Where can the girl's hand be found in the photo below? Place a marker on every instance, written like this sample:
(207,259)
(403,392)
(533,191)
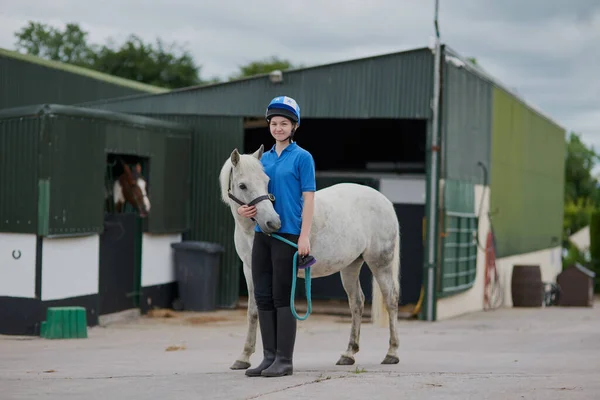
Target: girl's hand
(247,211)
(303,245)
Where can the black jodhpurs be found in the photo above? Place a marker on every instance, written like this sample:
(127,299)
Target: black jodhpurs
(272,267)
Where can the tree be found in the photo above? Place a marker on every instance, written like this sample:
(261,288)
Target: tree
(595,248)
(68,46)
(156,65)
(161,65)
(263,67)
(580,161)
(582,195)
(576,215)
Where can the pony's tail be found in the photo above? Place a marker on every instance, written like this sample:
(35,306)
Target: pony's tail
(379,313)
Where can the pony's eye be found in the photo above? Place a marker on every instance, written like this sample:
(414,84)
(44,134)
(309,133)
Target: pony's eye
(242,186)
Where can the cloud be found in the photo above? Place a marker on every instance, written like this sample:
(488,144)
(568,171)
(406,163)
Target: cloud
(545,49)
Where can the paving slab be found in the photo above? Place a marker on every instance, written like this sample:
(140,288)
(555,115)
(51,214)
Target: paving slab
(547,353)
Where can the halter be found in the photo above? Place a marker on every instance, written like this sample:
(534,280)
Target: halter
(268,196)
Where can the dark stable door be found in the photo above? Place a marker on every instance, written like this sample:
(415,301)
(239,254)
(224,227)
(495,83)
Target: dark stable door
(117,280)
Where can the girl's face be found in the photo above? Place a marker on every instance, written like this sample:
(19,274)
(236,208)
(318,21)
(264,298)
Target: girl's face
(281,128)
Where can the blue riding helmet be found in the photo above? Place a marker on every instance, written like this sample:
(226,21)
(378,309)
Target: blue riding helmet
(283,106)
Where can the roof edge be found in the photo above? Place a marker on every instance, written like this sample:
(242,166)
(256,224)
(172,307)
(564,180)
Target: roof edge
(23,111)
(90,73)
(301,69)
(250,78)
(38,110)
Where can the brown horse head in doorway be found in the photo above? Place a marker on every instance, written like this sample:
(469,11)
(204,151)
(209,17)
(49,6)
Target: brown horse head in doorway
(130,187)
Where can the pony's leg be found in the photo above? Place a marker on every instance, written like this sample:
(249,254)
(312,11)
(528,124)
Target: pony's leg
(243,361)
(385,267)
(384,275)
(356,301)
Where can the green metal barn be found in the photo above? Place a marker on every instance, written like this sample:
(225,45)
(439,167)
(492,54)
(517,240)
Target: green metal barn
(497,153)
(490,138)
(61,242)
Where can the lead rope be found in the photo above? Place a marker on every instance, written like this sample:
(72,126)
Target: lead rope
(294,275)
(295,262)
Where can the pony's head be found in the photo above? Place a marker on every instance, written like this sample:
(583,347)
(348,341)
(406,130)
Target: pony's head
(134,189)
(243,181)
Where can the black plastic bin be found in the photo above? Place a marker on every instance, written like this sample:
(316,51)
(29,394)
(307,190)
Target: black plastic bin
(197,273)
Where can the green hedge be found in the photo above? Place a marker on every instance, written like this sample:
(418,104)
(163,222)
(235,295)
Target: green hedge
(595,247)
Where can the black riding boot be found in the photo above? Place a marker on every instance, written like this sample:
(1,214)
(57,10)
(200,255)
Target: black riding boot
(286,338)
(268,326)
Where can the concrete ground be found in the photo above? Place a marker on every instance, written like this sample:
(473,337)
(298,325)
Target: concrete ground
(549,353)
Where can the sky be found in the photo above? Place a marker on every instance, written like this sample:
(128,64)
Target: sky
(545,50)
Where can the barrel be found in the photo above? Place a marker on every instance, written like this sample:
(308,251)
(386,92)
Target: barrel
(526,286)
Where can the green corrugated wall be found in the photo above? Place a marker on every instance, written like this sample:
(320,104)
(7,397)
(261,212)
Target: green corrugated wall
(177,181)
(467,115)
(527,177)
(522,150)
(459,196)
(26,80)
(389,86)
(72,161)
(67,147)
(214,139)
(19,138)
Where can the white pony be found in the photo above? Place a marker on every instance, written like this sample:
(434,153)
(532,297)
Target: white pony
(352,224)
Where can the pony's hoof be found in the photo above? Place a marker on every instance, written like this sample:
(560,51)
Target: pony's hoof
(240,365)
(345,361)
(390,360)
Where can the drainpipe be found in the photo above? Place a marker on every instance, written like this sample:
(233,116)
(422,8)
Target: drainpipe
(433,184)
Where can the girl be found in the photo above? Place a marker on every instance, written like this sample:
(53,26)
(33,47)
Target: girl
(291,170)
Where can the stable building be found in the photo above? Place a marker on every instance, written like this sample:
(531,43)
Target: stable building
(62,242)
(370,120)
(499,165)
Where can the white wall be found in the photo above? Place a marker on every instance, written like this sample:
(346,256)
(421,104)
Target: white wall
(158,264)
(70,267)
(472,299)
(403,190)
(400,189)
(17,277)
(549,261)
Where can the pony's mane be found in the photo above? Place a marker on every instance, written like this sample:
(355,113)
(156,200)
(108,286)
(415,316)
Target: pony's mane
(247,162)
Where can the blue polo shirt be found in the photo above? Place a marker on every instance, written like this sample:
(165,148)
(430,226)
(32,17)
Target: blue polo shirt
(291,173)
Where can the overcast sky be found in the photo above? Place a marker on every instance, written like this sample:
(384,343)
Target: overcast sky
(545,49)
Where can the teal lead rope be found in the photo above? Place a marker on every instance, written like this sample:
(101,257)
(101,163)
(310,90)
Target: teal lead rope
(294,276)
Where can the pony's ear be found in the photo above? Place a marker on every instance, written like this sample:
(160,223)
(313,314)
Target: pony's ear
(235,157)
(258,153)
